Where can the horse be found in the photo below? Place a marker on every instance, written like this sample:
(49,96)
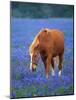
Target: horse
(49,44)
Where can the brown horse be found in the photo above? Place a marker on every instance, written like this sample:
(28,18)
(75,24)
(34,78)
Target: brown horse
(49,44)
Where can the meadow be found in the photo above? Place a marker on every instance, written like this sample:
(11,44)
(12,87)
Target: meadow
(25,83)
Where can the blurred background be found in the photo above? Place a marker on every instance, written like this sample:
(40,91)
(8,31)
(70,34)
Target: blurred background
(33,10)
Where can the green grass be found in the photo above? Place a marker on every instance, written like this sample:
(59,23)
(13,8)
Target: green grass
(31,91)
(18,76)
(64,91)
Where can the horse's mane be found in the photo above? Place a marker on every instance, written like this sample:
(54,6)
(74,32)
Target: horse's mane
(34,44)
(36,40)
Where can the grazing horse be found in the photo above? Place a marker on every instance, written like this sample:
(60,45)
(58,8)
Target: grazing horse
(49,44)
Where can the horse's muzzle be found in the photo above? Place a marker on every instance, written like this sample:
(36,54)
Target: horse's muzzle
(33,69)
(33,66)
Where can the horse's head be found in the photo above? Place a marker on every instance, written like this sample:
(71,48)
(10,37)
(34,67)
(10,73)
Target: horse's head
(34,52)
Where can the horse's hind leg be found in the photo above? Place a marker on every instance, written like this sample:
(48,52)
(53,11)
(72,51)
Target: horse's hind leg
(60,63)
(52,67)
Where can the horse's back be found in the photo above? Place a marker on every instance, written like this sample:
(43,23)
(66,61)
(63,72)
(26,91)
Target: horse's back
(58,39)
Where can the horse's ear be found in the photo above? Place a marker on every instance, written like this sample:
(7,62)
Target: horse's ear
(46,30)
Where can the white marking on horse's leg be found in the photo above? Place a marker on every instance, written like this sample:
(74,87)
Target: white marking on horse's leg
(53,72)
(59,73)
(47,76)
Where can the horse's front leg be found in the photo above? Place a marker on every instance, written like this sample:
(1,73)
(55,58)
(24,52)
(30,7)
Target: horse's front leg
(46,60)
(47,66)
